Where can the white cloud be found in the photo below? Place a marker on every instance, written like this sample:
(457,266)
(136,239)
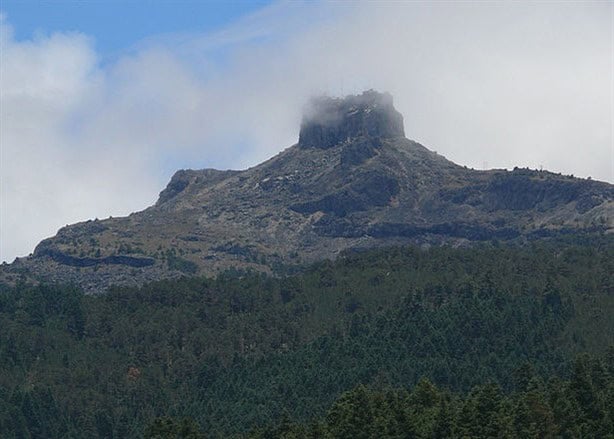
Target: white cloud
(502,83)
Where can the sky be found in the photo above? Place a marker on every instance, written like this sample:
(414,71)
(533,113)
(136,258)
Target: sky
(101,101)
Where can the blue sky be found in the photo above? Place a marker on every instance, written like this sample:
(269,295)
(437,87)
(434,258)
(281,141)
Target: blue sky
(115,25)
(101,101)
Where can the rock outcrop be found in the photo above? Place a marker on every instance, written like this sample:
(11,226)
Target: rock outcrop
(352,181)
(329,122)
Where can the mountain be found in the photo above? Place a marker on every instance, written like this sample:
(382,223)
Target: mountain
(353,181)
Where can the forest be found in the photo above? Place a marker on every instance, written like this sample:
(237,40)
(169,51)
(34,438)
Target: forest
(489,341)
(578,407)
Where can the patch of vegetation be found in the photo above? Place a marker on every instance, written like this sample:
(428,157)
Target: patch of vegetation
(181,264)
(580,406)
(247,351)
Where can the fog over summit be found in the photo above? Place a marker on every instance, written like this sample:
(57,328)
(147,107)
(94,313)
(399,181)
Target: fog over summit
(352,182)
(88,135)
(328,121)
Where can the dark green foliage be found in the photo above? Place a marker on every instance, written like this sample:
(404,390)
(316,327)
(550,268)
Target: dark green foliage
(181,264)
(169,428)
(485,412)
(470,331)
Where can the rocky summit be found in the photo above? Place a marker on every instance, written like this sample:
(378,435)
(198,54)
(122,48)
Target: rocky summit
(353,181)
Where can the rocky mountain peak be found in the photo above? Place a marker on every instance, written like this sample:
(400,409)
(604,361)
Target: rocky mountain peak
(330,121)
(352,182)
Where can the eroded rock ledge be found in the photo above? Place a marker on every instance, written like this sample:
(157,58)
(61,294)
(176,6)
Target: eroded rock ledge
(329,121)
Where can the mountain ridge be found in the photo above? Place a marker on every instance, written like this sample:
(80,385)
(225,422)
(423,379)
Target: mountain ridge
(352,181)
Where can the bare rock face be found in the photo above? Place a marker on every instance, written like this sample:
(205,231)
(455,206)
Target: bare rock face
(185,177)
(352,181)
(329,122)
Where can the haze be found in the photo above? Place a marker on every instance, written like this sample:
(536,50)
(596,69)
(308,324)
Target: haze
(84,134)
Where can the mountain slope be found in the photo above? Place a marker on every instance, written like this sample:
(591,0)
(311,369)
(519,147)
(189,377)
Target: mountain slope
(353,181)
(236,352)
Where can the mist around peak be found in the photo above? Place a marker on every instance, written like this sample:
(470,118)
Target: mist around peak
(329,121)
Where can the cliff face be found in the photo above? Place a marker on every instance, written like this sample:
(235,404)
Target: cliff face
(352,181)
(328,122)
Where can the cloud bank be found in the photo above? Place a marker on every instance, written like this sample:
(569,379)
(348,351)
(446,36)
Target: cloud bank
(485,84)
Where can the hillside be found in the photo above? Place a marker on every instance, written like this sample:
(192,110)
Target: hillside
(353,181)
(245,351)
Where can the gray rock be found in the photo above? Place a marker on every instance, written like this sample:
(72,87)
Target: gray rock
(329,122)
(352,182)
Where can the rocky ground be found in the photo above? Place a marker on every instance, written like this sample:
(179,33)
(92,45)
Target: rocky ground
(353,181)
